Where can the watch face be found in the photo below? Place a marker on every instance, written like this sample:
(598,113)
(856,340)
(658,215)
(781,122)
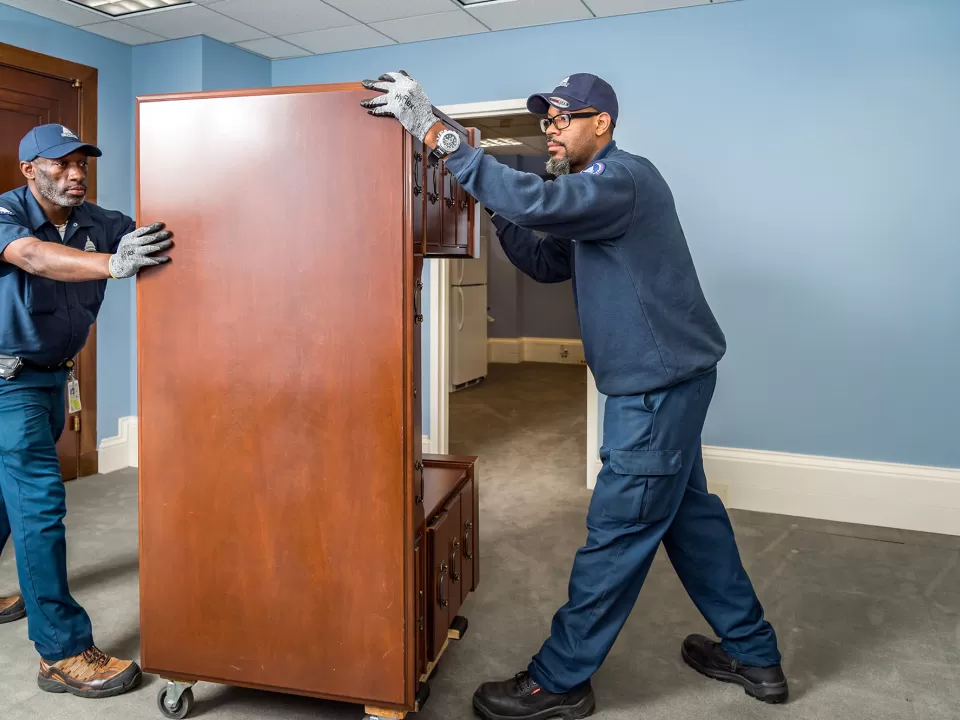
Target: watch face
(448,140)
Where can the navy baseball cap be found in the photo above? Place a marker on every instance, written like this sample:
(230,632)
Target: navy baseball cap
(53,141)
(577,92)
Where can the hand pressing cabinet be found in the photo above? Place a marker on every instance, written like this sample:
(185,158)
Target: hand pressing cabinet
(293,537)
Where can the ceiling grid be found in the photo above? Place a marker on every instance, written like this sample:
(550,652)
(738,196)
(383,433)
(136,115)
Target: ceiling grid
(278,29)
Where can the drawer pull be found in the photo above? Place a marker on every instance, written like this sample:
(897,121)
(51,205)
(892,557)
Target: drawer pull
(467,547)
(434,196)
(454,575)
(418,466)
(440,598)
(417,174)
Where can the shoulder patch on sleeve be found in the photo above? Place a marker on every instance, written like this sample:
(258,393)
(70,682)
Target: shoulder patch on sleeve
(596,168)
(5,211)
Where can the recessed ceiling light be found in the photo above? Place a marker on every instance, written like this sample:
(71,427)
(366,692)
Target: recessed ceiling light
(481,2)
(498,142)
(123,8)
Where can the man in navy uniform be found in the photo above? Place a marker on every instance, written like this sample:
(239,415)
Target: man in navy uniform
(653,345)
(57,252)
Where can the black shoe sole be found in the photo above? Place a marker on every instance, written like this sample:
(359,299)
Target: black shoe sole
(13,617)
(55,686)
(582,709)
(772,693)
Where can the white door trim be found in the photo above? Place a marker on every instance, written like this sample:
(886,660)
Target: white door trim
(438,316)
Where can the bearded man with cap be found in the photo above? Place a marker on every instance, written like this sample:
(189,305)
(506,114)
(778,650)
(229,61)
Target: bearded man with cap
(653,345)
(57,252)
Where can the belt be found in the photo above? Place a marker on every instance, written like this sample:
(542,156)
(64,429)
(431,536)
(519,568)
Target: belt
(46,368)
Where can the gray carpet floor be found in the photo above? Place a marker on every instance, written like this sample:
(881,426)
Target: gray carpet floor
(868,618)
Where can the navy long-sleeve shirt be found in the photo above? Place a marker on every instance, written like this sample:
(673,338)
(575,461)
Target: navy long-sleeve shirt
(614,230)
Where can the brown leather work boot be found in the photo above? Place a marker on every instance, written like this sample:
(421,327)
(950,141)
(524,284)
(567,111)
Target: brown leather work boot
(12,608)
(91,674)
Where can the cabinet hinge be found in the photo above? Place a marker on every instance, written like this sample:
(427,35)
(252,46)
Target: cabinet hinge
(77,84)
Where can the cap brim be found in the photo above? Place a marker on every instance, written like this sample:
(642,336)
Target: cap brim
(541,103)
(71,147)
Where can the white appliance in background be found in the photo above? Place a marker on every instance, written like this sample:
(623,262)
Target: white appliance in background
(468,313)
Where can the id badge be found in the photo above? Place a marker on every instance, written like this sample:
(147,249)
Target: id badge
(73,395)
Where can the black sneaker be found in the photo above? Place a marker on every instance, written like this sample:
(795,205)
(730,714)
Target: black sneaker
(709,658)
(523,698)
(12,608)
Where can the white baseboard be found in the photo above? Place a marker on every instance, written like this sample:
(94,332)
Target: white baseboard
(122,450)
(528,349)
(907,497)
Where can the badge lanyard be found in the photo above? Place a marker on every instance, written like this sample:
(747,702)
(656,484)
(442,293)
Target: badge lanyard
(73,393)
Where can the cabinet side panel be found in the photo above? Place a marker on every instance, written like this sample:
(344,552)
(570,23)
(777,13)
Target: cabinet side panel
(271,357)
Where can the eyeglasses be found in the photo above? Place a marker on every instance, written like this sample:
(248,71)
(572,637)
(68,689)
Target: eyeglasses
(562,121)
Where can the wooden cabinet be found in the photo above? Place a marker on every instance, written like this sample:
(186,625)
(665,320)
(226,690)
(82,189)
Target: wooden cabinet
(293,535)
(444,220)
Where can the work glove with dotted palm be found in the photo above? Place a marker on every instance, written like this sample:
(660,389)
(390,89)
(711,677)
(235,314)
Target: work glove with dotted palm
(403,99)
(137,250)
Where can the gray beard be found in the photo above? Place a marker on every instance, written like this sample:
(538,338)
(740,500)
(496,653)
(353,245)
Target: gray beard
(558,166)
(48,189)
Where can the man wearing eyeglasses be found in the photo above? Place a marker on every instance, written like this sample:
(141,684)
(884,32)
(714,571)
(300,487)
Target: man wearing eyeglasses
(653,345)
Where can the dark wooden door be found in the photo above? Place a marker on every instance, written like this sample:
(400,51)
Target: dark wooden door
(31,95)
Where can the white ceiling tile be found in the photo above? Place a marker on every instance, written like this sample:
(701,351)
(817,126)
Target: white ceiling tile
(273,48)
(180,22)
(369,11)
(122,32)
(429,27)
(60,11)
(523,13)
(353,37)
(283,17)
(606,8)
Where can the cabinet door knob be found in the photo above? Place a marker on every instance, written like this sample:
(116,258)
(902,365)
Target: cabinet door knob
(467,548)
(454,575)
(444,602)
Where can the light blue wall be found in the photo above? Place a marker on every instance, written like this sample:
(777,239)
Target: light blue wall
(227,67)
(812,147)
(114,188)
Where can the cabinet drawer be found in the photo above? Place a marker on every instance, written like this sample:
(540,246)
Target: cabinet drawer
(418,171)
(440,535)
(433,185)
(450,228)
(420,570)
(450,209)
(468,539)
(455,555)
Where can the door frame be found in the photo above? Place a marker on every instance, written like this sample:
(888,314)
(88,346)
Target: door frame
(84,78)
(438,317)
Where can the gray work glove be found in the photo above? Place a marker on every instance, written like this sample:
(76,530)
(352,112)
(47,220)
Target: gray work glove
(404,99)
(136,250)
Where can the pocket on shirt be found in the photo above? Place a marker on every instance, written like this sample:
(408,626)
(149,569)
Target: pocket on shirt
(90,293)
(639,486)
(40,294)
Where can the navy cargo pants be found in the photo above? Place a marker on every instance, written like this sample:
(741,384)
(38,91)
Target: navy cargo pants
(32,508)
(653,489)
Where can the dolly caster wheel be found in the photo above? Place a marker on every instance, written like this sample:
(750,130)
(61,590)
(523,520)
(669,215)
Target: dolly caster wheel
(175,709)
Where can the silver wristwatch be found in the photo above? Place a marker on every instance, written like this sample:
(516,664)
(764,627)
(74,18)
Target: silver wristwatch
(447,142)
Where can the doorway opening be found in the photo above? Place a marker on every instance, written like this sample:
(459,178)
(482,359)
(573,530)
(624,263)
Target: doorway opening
(505,351)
